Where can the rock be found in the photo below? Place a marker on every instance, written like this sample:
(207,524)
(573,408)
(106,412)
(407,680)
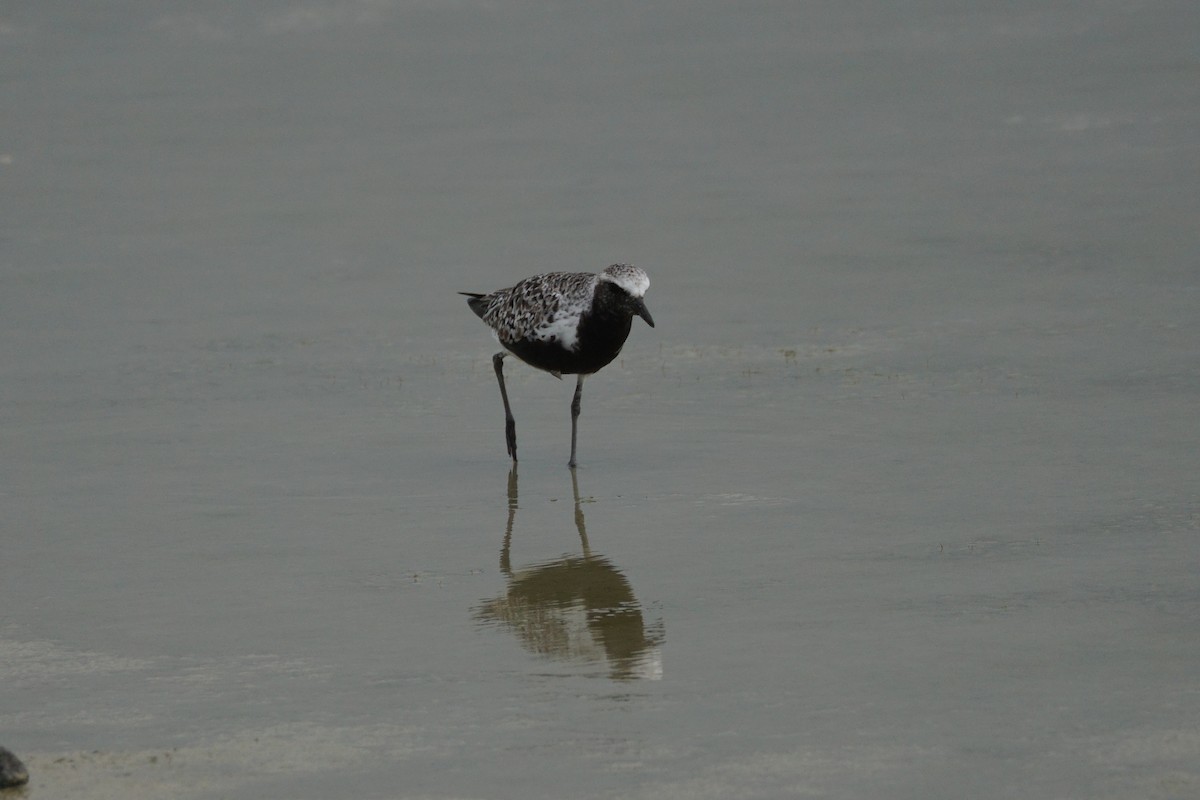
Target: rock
(12,771)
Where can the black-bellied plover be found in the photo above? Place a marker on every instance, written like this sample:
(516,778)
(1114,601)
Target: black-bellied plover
(566,323)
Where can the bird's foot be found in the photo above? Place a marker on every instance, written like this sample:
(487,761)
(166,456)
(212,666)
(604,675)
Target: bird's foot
(510,438)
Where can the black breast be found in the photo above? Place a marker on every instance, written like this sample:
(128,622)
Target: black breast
(602,334)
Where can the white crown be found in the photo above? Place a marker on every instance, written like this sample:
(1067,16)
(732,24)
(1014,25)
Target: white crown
(630,278)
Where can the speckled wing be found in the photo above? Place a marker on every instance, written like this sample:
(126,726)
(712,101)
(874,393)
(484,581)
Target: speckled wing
(542,308)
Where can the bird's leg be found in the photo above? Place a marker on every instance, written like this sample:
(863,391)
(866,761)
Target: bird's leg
(575,418)
(510,424)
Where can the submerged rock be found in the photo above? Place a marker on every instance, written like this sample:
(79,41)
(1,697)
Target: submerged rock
(12,771)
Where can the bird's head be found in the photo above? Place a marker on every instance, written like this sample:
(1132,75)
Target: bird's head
(633,283)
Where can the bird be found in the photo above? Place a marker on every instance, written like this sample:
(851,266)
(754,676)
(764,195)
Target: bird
(565,323)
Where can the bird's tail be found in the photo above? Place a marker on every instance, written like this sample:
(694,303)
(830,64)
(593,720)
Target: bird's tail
(477,302)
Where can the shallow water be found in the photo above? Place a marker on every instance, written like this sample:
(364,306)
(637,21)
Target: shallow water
(897,500)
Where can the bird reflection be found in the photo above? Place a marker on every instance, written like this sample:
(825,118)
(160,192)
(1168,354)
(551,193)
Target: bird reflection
(575,608)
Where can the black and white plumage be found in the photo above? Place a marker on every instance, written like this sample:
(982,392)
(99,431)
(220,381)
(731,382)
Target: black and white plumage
(566,323)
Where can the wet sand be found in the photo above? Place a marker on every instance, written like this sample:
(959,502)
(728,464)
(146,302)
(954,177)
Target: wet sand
(897,500)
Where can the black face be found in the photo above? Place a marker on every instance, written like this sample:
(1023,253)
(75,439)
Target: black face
(613,300)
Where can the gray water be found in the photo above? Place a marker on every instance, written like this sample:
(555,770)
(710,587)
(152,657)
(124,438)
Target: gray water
(898,500)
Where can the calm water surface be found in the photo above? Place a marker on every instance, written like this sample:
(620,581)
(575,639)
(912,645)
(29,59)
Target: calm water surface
(897,500)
